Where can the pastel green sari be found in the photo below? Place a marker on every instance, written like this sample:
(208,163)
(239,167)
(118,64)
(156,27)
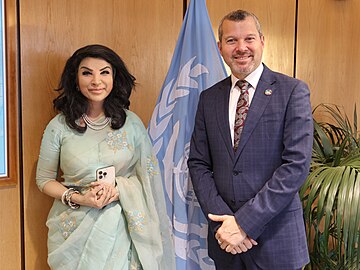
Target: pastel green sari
(132,233)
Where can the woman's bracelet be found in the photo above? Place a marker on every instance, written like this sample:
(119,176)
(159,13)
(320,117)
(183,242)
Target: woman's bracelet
(63,196)
(66,198)
(70,203)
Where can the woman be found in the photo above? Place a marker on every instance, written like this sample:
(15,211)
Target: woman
(121,224)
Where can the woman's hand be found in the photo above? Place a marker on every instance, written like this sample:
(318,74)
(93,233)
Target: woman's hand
(99,195)
(108,192)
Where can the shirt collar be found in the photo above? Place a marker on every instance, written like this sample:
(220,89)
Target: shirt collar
(253,78)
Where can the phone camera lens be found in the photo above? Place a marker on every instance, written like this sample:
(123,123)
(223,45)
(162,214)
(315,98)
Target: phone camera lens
(105,173)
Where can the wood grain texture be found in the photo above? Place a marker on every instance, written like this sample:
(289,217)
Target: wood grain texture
(11,89)
(10,211)
(328,55)
(142,32)
(277,18)
(10,232)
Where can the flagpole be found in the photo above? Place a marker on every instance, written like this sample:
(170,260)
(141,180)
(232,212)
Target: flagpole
(184,8)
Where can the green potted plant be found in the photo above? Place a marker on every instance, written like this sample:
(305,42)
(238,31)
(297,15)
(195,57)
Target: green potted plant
(331,193)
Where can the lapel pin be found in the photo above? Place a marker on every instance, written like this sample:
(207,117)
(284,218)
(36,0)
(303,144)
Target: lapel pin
(268,92)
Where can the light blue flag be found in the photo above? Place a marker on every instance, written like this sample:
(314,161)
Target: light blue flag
(195,66)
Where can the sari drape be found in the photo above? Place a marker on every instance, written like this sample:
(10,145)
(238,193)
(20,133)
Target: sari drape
(132,233)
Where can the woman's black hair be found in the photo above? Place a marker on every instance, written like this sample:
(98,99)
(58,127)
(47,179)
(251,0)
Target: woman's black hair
(73,104)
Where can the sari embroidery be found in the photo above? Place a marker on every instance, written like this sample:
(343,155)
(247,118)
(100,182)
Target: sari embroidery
(67,223)
(117,140)
(136,220)
(151,165)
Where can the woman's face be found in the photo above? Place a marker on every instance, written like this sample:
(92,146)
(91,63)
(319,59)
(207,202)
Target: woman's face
(95,79)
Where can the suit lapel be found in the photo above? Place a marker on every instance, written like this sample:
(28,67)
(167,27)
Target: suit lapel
(258,104)
(222,113)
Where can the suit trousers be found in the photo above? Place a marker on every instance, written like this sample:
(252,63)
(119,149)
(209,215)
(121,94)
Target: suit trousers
(243,262)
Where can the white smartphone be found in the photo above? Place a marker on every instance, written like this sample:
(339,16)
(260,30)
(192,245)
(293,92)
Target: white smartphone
(106,174)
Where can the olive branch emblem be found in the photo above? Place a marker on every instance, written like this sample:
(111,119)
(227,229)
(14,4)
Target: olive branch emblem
(175,176)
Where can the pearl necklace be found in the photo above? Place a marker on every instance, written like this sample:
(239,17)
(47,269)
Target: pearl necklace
(95,125)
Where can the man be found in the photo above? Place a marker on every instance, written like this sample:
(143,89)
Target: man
(247,181)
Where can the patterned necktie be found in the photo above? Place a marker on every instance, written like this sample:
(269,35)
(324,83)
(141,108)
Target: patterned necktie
(241,111)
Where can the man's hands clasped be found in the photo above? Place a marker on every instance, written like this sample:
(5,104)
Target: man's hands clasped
(230,236)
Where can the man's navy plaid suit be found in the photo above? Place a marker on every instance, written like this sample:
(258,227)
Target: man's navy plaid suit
(259,183)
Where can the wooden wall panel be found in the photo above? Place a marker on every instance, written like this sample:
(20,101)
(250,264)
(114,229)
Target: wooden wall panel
(10,241)
(277,18)
(10,210)
(144,34)
(328,51)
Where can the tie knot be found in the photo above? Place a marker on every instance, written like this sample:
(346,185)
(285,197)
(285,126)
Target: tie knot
(243,85)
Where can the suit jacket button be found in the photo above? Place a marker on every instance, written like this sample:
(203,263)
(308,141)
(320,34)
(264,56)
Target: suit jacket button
(235,173)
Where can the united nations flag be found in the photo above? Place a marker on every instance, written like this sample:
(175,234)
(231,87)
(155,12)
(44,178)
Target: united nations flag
(195,66)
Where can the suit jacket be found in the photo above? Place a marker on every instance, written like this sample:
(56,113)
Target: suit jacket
(259,183)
